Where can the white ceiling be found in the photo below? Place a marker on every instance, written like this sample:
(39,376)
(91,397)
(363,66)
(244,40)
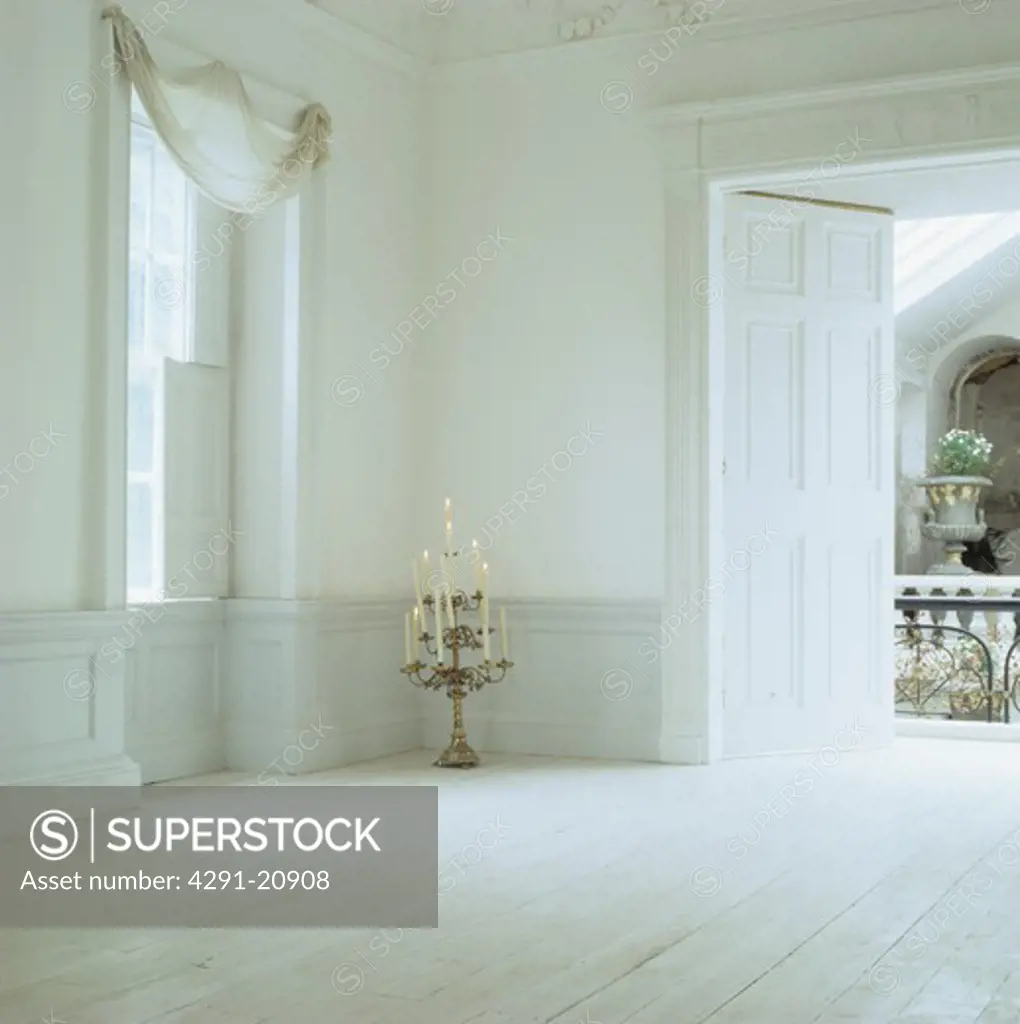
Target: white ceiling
(935,192)
(453,30)
(404,24)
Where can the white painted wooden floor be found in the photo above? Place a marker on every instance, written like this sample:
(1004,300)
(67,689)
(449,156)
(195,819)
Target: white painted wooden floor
(885,889)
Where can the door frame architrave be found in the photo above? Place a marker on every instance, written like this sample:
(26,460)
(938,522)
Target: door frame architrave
(775,142)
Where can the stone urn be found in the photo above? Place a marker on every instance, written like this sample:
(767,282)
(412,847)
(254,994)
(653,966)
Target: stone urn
(954,517)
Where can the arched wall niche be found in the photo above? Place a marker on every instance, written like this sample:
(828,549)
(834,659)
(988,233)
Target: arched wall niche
(984,395)
(973,384)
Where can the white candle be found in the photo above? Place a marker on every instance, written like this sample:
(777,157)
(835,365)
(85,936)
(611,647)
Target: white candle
(479,582)
(448,585)
(407,638)
(438,599)
(502,633)
(417,631)
(485,612)
(449,528)
(420,610)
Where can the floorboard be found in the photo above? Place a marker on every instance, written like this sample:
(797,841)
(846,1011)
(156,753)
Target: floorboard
(622,894)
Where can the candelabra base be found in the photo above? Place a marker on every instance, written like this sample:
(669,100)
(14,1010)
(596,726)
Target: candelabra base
(457,755)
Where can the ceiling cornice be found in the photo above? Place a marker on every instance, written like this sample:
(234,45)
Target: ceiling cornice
(965,78)
(725,19)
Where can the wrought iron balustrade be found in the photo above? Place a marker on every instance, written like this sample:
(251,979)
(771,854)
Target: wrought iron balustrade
(957,648)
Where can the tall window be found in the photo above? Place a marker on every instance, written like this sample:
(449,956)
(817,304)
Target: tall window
(160,325)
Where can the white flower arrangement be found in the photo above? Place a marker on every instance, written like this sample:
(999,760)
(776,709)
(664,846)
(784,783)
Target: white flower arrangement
(962,453)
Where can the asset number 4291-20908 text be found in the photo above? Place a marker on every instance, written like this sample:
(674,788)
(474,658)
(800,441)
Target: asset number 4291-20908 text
(266,880)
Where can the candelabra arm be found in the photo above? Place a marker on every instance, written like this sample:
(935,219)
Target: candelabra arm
(452,675)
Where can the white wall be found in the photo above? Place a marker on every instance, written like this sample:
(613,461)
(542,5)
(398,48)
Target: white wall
(347,519)
(45,210)
(562,332)
(568,325)
(371,277)
(48,199)
(565,328)
(163,704)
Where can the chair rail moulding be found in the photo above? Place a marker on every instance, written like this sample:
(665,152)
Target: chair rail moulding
(592,616)
(739,143)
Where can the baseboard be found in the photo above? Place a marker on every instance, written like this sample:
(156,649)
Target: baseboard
(174,680)
(181,756)
(252,685)
(315,685)
(568,694)
(564,739)
(681,749)
(267,754)
(118,770)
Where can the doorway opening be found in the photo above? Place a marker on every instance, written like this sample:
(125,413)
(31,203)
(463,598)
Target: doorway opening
(864,312)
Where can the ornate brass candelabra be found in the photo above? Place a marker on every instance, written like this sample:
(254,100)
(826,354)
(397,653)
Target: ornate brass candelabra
(456,678)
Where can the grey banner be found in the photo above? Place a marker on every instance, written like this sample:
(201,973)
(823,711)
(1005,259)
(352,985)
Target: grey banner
(219,857)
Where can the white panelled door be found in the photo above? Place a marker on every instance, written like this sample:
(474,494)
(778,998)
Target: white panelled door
(809,488)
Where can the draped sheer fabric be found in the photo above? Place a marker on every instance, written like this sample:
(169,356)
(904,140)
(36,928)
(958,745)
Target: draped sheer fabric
(205,118)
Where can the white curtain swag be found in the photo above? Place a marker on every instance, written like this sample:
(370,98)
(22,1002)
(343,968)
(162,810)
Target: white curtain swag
(205,118)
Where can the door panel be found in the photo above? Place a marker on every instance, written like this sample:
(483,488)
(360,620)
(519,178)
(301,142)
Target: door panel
(809,466)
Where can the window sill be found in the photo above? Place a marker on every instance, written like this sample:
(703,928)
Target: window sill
(144,600)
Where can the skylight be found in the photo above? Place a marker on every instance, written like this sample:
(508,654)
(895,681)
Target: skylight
(929,253)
